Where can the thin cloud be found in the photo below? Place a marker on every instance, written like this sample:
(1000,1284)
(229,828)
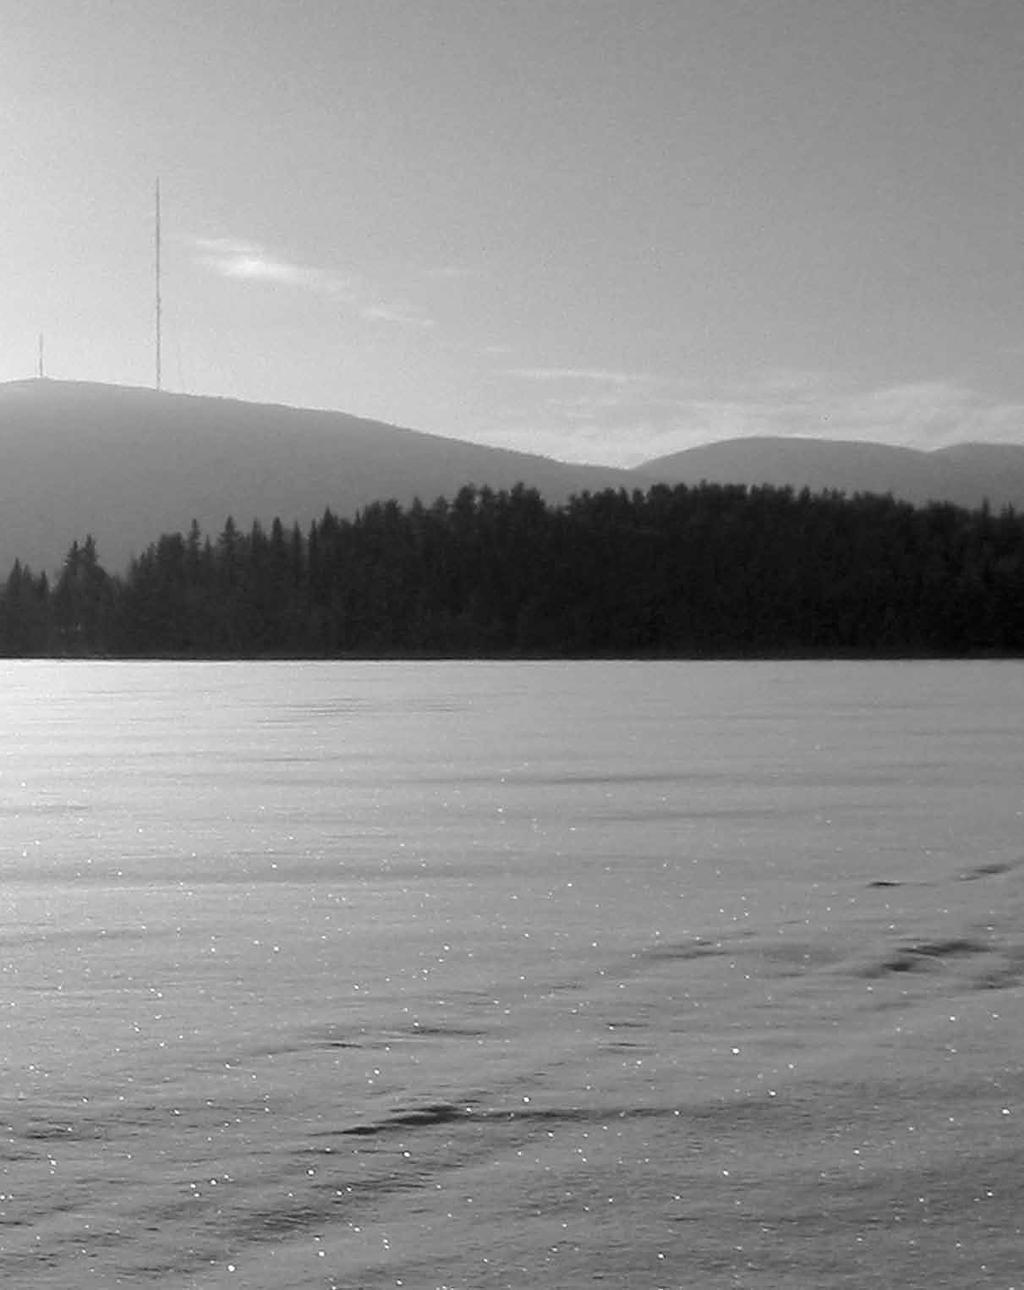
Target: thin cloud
(625,424)
(400,314)
(596,374)
(245,261)
(783,382)
(918,414)
(914,414)
(251,262)
(933,414)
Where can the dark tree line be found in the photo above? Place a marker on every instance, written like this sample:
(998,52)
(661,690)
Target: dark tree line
(690,572)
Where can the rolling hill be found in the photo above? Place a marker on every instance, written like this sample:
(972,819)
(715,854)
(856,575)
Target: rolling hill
(966,474)
(127,464)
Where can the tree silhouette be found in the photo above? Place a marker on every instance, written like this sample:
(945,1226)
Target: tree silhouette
(687,572)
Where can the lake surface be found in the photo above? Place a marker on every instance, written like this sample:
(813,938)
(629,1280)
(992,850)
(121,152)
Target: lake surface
(508,975)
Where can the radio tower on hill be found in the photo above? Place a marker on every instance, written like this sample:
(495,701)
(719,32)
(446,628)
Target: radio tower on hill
(157,266)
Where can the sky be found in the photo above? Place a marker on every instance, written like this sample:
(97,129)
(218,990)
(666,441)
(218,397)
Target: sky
(599,231)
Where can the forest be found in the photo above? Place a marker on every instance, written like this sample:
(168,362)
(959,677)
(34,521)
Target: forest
(713,571)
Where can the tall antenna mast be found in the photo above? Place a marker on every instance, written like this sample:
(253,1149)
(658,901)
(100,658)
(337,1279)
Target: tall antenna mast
(157,248)
(42,370)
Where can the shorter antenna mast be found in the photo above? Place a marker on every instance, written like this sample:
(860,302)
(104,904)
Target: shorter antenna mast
(157,249)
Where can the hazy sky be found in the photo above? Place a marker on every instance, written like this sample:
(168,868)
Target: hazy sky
(597,230)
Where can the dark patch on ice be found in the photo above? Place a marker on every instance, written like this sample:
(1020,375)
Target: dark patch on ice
(885,882)
(616,1041)
(919,956)
(47,1132)
(697,948)
(330,1038)
(943,949)
(439,1113)
(445,1032)
(544,1116)
(992,870)
(333,1039)
(415,1117)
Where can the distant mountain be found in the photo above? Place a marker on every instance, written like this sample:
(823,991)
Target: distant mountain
(966,474)
(127,464)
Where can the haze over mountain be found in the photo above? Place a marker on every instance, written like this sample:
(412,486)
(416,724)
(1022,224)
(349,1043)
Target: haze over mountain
(127,464)
(967,473)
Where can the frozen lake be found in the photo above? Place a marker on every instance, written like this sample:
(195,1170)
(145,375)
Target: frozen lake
(511,975)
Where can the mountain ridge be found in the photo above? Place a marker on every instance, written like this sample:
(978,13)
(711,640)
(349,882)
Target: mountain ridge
(127,463)
(966,474)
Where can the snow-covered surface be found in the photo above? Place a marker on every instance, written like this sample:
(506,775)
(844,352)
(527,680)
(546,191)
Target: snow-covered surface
(512,975)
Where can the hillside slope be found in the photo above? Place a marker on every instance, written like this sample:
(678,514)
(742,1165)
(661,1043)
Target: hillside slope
(127,464)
